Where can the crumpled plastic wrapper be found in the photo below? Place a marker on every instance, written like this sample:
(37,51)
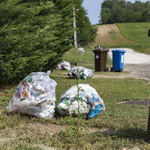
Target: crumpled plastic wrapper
(35,95)
(81,50)
(88,100)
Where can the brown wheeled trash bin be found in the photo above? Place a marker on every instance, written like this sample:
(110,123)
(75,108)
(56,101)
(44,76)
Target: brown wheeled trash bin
(101,57)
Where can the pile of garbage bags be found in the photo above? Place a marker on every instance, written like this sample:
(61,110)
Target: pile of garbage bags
(82,72)
(88,100)
(35,95)
(65,65)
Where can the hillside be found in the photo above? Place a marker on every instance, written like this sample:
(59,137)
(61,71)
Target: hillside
(110,35)
(129,35)
(137,31)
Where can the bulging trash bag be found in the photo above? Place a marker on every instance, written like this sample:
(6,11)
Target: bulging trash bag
(65,65)
(35,95)
(90,103)
(83,73)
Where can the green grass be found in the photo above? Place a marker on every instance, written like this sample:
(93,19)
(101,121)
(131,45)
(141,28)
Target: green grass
(137,32)
(82,59)
(136,37)
(128,123)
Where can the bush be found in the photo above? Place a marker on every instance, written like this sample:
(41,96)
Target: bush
(33,36)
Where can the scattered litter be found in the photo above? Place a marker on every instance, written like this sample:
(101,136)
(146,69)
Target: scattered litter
(65,65)
(83,73)
(89,101)
(81,49)
(35,95)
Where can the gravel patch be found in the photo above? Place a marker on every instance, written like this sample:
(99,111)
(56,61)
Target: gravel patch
(137,64)
(132,57)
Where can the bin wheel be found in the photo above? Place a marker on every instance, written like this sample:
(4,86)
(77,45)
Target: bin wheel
(120,70)
(111,69)
(106,69)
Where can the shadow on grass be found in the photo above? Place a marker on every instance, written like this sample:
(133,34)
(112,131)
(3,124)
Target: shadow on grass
(134,134)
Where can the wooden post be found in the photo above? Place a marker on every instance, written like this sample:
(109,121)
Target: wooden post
(149,32)
(148,128)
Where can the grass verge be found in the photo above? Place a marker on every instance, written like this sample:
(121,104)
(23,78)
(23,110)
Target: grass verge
(119,126)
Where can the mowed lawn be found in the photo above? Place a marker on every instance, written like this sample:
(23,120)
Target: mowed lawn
(137,32)
(119,126)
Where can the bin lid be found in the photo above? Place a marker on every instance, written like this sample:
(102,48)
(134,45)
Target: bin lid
(119,51)
(105,49)
(101,50)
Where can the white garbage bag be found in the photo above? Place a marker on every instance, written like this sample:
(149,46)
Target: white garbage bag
(82,72)
(58,67)
(81,49)
(89,102)
(35,95)
(65,65)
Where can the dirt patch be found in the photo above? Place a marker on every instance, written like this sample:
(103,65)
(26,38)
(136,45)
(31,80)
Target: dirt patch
(106,34)
(47,128)
(52,128)
(43,147)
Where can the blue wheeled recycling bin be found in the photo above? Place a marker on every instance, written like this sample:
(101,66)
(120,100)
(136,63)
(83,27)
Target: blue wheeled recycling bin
(118,60)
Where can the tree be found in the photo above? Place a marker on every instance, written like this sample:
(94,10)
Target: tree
(86,33)
(145,15)
(105,15)
(118,11)
(33,36)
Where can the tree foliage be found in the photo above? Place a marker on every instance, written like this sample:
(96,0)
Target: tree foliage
(33,36)
(119,11)
(86,33)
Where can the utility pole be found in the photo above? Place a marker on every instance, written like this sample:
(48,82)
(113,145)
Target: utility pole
(74,26)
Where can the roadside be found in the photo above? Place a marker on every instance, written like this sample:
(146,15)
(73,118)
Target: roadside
(136,64)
